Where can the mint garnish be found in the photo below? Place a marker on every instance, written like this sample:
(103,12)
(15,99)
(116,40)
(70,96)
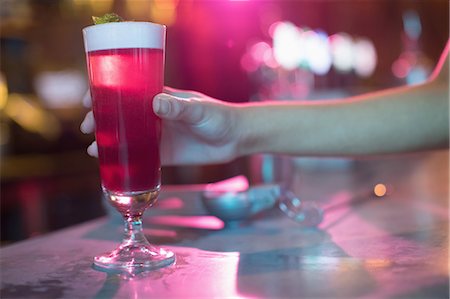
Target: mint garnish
(107,18)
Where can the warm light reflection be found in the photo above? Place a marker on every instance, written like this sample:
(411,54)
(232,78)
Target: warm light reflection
(123,200)
(3,91)
(164,11)
(377,263)
(97,7)
(380,190)
(158,11)
(137,9)
(102,6)
(31,117)
(312,262)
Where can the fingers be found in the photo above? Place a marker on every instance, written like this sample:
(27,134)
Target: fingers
(181,93)
(88,124)
(173,108)
(87,101)
(92,150)
(87,127)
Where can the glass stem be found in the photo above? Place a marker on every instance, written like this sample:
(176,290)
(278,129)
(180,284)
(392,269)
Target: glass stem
(134,234)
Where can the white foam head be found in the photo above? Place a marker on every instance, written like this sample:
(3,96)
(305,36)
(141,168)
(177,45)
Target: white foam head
(123,35)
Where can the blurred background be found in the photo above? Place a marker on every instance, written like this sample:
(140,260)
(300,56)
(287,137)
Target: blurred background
(238,51)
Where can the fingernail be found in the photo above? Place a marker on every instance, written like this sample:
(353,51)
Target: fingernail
(92,149)
(87,100)
(82,127)
(161,105)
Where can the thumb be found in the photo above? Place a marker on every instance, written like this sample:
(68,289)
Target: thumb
(173,108)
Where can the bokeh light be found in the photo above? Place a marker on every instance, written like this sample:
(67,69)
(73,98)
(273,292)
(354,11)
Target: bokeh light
(365,57)
(412,24)
(3,91)
(312,51)
(342,51)
(401,68)
(380,190)
(318,52)
(288,46)
(258,51)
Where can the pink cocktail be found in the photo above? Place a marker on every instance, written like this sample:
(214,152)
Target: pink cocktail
(123,84)
(126,67)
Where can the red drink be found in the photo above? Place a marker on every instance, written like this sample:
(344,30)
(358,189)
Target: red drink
(123,84)
(125,65)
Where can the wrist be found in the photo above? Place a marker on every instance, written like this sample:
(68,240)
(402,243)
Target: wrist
(248,131)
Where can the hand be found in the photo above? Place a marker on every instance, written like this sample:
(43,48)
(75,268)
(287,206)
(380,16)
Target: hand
(88,125)
(196,129)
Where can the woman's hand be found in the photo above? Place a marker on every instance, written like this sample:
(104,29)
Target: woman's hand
(196,129)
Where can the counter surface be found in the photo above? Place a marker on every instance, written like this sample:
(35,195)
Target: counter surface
(395,246)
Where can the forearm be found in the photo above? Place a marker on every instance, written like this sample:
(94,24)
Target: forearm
(392,121)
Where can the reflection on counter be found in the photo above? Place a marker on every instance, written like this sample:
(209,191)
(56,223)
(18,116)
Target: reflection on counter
(239,51)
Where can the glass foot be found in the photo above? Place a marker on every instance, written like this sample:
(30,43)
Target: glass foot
(135,258)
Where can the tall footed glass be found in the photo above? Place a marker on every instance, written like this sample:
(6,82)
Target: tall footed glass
(125,62)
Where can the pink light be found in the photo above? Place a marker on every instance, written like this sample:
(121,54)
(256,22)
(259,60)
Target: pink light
(272,28)
(199,222)
(235,184)
(269,59)
(259,50)
(171,203)
(248,64)
(401,68)
(404,64)
(161,233)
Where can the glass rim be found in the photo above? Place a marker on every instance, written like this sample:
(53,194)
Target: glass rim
(130,34)
(122,23)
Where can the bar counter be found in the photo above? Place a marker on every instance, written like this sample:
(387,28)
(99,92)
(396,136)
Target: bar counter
(394,246)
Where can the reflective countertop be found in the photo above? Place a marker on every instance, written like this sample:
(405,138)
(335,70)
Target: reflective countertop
(395,246)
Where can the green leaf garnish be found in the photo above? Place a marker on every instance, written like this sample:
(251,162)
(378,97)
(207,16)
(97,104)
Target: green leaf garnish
(107,18)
